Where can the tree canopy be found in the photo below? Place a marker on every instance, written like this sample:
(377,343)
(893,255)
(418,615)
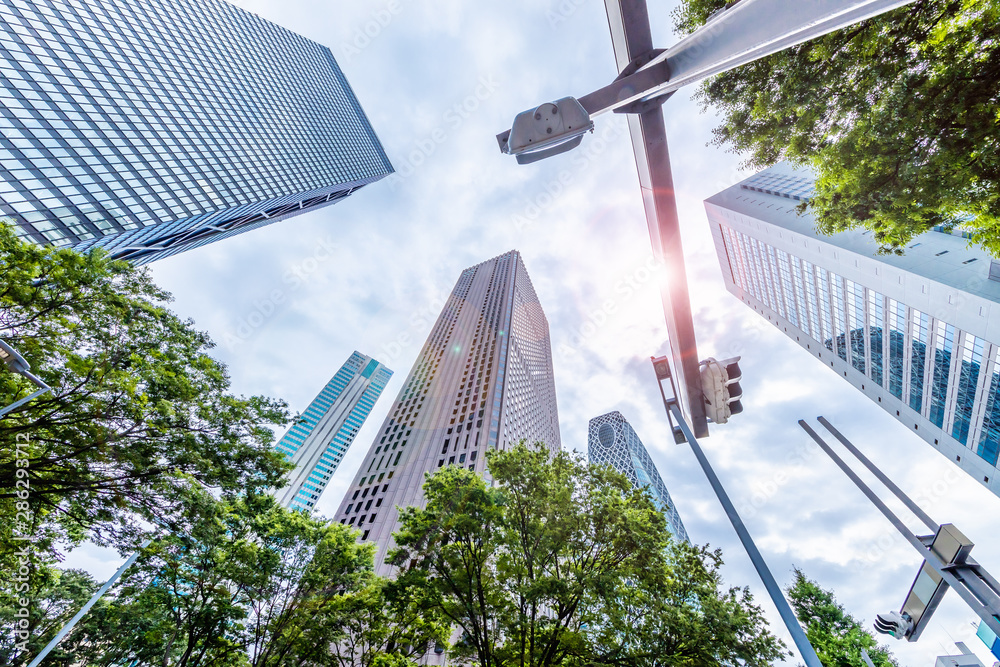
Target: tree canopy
(562,563)
(898,116)
(836,635)
(251,584)
(140,420)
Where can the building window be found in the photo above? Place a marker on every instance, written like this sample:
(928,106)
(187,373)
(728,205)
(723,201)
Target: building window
(918,354)
(968,378)
(944,341)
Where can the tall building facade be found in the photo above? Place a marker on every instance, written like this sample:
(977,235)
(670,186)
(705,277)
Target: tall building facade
(919,334)
(483,380)
(318,442)
(612,441)
(152,127)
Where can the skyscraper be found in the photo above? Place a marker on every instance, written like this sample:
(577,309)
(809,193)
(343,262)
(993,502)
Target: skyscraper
(154,127)
(612,441)
(919,334)
(319,441)
(482,380)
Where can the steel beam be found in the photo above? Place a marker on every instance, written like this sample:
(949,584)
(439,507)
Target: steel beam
(652,158)
(631,36)
(881,476)
(632,41)
(976,592)
(747,31)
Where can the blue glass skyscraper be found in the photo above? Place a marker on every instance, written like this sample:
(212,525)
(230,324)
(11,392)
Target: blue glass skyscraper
(918,334)
(320,439)
(154,127)
(612,441)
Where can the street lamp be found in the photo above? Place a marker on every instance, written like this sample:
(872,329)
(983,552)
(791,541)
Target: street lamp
(647,76)
(16,364)
(661,366)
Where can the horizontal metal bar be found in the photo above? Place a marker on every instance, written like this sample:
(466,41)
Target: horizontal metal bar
(17,404)
(625,90)
(747,31)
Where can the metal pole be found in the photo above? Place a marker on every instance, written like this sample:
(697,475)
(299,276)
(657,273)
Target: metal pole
(17,404)
(80,614)
(867,658)
(929,556)
(899,493)
(806,650)
(881,476)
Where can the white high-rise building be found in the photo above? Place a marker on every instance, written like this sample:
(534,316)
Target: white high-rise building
(482,380)
(919,334)
(965,658)
(317,443)
(612,440)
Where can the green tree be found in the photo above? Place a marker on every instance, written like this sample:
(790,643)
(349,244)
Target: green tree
(53,596)
(256,585)
(385,625)
(685,616)
(230,588)
(898,116)
(836,635)
(140,417)
(562,563)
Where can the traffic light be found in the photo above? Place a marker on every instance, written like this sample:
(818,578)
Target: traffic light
(895,624)
(720,382)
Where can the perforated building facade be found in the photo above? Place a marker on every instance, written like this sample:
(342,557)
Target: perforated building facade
(154,127)
(611,440)
(317,443)
(919,334)
(482,380)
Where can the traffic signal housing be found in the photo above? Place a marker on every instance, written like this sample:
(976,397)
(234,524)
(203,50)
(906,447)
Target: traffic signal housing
(894,624)
(720,381)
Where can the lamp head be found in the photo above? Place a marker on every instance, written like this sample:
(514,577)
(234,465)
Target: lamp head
(14,361)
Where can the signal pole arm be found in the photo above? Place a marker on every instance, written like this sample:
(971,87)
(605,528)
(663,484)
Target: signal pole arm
(746,31)
(970,581)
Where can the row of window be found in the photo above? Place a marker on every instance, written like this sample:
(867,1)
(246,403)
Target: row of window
(928,364)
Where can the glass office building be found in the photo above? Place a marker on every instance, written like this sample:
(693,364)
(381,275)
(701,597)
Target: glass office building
(483,380)
(919,334)
(153,127)
(317,443)
(612,441)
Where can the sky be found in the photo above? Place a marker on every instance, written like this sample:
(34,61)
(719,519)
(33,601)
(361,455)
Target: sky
(287,304)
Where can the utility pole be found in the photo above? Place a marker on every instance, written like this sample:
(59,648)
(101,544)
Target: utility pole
(806,650)
(741,33)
